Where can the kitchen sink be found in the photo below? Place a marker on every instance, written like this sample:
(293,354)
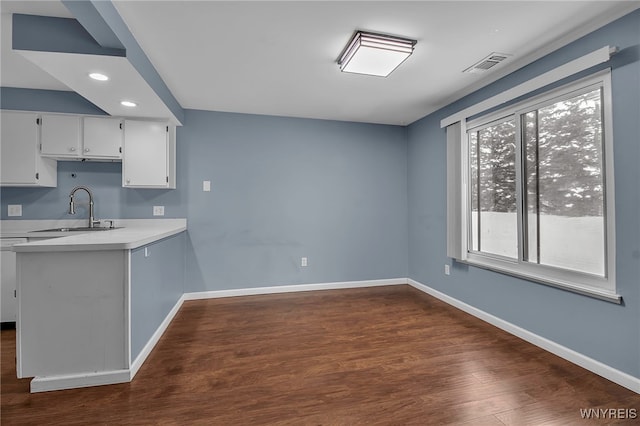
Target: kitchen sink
(79,229)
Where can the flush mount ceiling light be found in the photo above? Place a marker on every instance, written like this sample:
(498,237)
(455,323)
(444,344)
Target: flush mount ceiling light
(98,76)
(375,54)
(128,104)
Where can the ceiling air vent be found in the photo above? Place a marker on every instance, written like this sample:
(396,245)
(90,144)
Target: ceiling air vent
(487,63)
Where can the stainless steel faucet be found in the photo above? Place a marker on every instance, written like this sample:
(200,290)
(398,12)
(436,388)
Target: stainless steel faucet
(72,209)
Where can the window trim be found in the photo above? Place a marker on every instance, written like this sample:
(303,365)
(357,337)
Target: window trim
(579,282)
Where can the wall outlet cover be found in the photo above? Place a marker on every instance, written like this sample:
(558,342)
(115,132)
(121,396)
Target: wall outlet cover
(14,210)
(206,185)
(158,210)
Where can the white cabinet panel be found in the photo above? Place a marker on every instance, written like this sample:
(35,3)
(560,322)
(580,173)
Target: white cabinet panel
(61,136)
(8,286)
(102,138)
(21,163)
(71,312)
(8,302)
(148,156)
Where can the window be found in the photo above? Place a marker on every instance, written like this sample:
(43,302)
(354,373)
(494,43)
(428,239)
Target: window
(564,184)
(492,159)
(537,189)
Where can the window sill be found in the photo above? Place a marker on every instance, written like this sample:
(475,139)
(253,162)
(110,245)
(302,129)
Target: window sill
(546,275)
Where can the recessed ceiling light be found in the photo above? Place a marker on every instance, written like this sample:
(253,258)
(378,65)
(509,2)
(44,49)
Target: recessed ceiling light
(375,54)
(98,76)
(128,104)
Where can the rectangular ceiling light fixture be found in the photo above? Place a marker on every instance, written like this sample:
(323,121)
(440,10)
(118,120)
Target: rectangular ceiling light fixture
(375,54)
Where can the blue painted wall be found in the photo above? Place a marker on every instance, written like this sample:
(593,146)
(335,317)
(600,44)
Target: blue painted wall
(157,283)
(604,331)
(105,181)
(284,188)
(46,100)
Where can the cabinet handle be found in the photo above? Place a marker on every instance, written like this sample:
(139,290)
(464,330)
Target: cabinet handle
(72,149)
(86,150)
(128,180)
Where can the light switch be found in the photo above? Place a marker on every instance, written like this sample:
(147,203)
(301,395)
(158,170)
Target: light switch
(206,185)
(14,210)
(158,210)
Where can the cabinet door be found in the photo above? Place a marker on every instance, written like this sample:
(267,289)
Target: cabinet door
(102,137)
(18,148)
(60,136)
(144,160)
(8,282)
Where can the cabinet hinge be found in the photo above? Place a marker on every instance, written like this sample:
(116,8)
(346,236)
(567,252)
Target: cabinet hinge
(167,129)
(120,149)
(37,176)
(38,121)
(15,293)
(120,126)
(167,179)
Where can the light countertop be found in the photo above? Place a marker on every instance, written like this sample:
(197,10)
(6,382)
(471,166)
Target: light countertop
(131,234)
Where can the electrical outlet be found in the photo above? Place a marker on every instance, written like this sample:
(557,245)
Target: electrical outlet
(206,185)
(14,210)
(303,261)
(158,210)
(447,270)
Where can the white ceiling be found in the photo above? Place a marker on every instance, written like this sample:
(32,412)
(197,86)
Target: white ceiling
(279,58)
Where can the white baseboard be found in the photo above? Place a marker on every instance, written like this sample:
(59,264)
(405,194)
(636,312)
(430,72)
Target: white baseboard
(71,381)
(597,367)
(291,288)
(144,353)
(43,384)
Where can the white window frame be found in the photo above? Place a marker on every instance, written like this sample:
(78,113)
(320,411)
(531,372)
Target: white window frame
(584,283)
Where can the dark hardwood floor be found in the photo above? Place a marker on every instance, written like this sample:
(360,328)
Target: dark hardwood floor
(375,356)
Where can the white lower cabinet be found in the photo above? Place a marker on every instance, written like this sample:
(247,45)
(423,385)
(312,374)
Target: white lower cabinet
(21,162)
(8,302)
(148,159)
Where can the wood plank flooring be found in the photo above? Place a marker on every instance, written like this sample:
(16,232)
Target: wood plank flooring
(374,356)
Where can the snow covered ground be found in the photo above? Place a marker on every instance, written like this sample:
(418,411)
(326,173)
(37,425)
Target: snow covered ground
(569,242)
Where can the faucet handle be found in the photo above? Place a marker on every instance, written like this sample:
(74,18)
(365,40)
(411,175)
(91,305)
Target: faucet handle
(110,222)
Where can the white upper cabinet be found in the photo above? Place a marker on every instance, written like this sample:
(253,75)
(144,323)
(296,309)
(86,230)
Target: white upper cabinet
(32,143)
(21,162)
(61,136)
(148,155)
(103,138)
(75,137)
